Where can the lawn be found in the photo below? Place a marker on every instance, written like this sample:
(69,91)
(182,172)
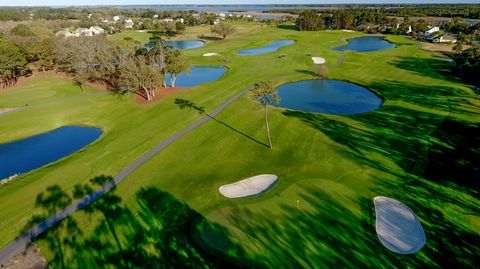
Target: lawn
(330,167)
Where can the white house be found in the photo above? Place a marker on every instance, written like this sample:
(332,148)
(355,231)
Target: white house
(81,32)
(155,16)
(116,18)
(180,20)
(63,33)
(446,38)
(96,30)
(432,30)
(167,20)
(129,24)
(409,29)
(222,15)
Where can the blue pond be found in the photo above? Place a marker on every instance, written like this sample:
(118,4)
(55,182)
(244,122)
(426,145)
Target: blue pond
(184,44)
(366,44)
(199,75)
(273,46)
(328,96)
(36,151)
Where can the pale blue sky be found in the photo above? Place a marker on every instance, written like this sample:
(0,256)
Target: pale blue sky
(169,2)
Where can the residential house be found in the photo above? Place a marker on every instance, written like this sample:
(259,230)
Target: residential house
(431,31)
(129,24)
(445,38)
(63,33)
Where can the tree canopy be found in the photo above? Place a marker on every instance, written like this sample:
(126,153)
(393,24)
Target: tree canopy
(223,30)
(12,63)
(309,20)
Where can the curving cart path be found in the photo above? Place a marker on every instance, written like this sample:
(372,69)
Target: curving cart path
(21,242)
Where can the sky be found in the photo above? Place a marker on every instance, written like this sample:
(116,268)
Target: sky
(170,2)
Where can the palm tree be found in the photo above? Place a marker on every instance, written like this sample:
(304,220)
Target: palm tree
(266,94)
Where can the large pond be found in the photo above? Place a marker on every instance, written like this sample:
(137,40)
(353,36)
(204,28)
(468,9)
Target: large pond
(328,96)
(366,44)
(271,47)
(36,151)
(198,75)
(184,44)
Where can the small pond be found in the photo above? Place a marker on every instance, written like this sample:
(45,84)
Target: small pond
(271,47)
(30,153)
(184,44)
(366,44)
(199,75)
(328,96)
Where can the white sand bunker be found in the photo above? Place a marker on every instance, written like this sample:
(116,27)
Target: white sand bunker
(249,187)
(318,60)
(348,31)
(210,54)
(397,226)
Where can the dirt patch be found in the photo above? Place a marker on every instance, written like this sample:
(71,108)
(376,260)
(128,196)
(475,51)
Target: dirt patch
(5,109)
(31,258)
(159,95)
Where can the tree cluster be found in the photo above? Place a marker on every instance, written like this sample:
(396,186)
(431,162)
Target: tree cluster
(468,62)
(123,68)
(12,63)
(309,20)
(223,30)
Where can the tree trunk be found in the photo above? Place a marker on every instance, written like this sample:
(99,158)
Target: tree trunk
(44,72)
(147,93)
(164,82)
(268,129)
(173,78)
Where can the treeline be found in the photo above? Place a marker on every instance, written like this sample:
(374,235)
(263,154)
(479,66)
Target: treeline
(37,13)
(126,66)
(377,22)
(439,10)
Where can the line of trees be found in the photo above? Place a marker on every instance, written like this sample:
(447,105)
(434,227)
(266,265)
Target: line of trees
(378,22)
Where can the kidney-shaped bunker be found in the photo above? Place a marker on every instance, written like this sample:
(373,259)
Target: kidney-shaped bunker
(249,187)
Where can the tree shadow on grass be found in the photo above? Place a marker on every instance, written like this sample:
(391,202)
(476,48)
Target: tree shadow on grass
(186,104)
(160,234)
(211,38)
(328,234)
(438,68)
(421,136)
(288,27)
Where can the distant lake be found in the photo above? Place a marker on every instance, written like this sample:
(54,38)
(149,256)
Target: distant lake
(33,152)
(328,96)
(271,47)
(184,44)
(199,75)
(366,44)
(219,8)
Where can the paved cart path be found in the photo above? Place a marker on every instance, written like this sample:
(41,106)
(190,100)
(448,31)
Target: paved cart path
(21,242)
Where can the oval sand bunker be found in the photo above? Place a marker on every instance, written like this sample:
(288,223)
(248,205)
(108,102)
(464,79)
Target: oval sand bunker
(249,187)
(318,60)
(397,226)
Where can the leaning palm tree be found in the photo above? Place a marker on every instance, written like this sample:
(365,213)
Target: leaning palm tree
(266,94)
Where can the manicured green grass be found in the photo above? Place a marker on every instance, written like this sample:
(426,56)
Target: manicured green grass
(330,167)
